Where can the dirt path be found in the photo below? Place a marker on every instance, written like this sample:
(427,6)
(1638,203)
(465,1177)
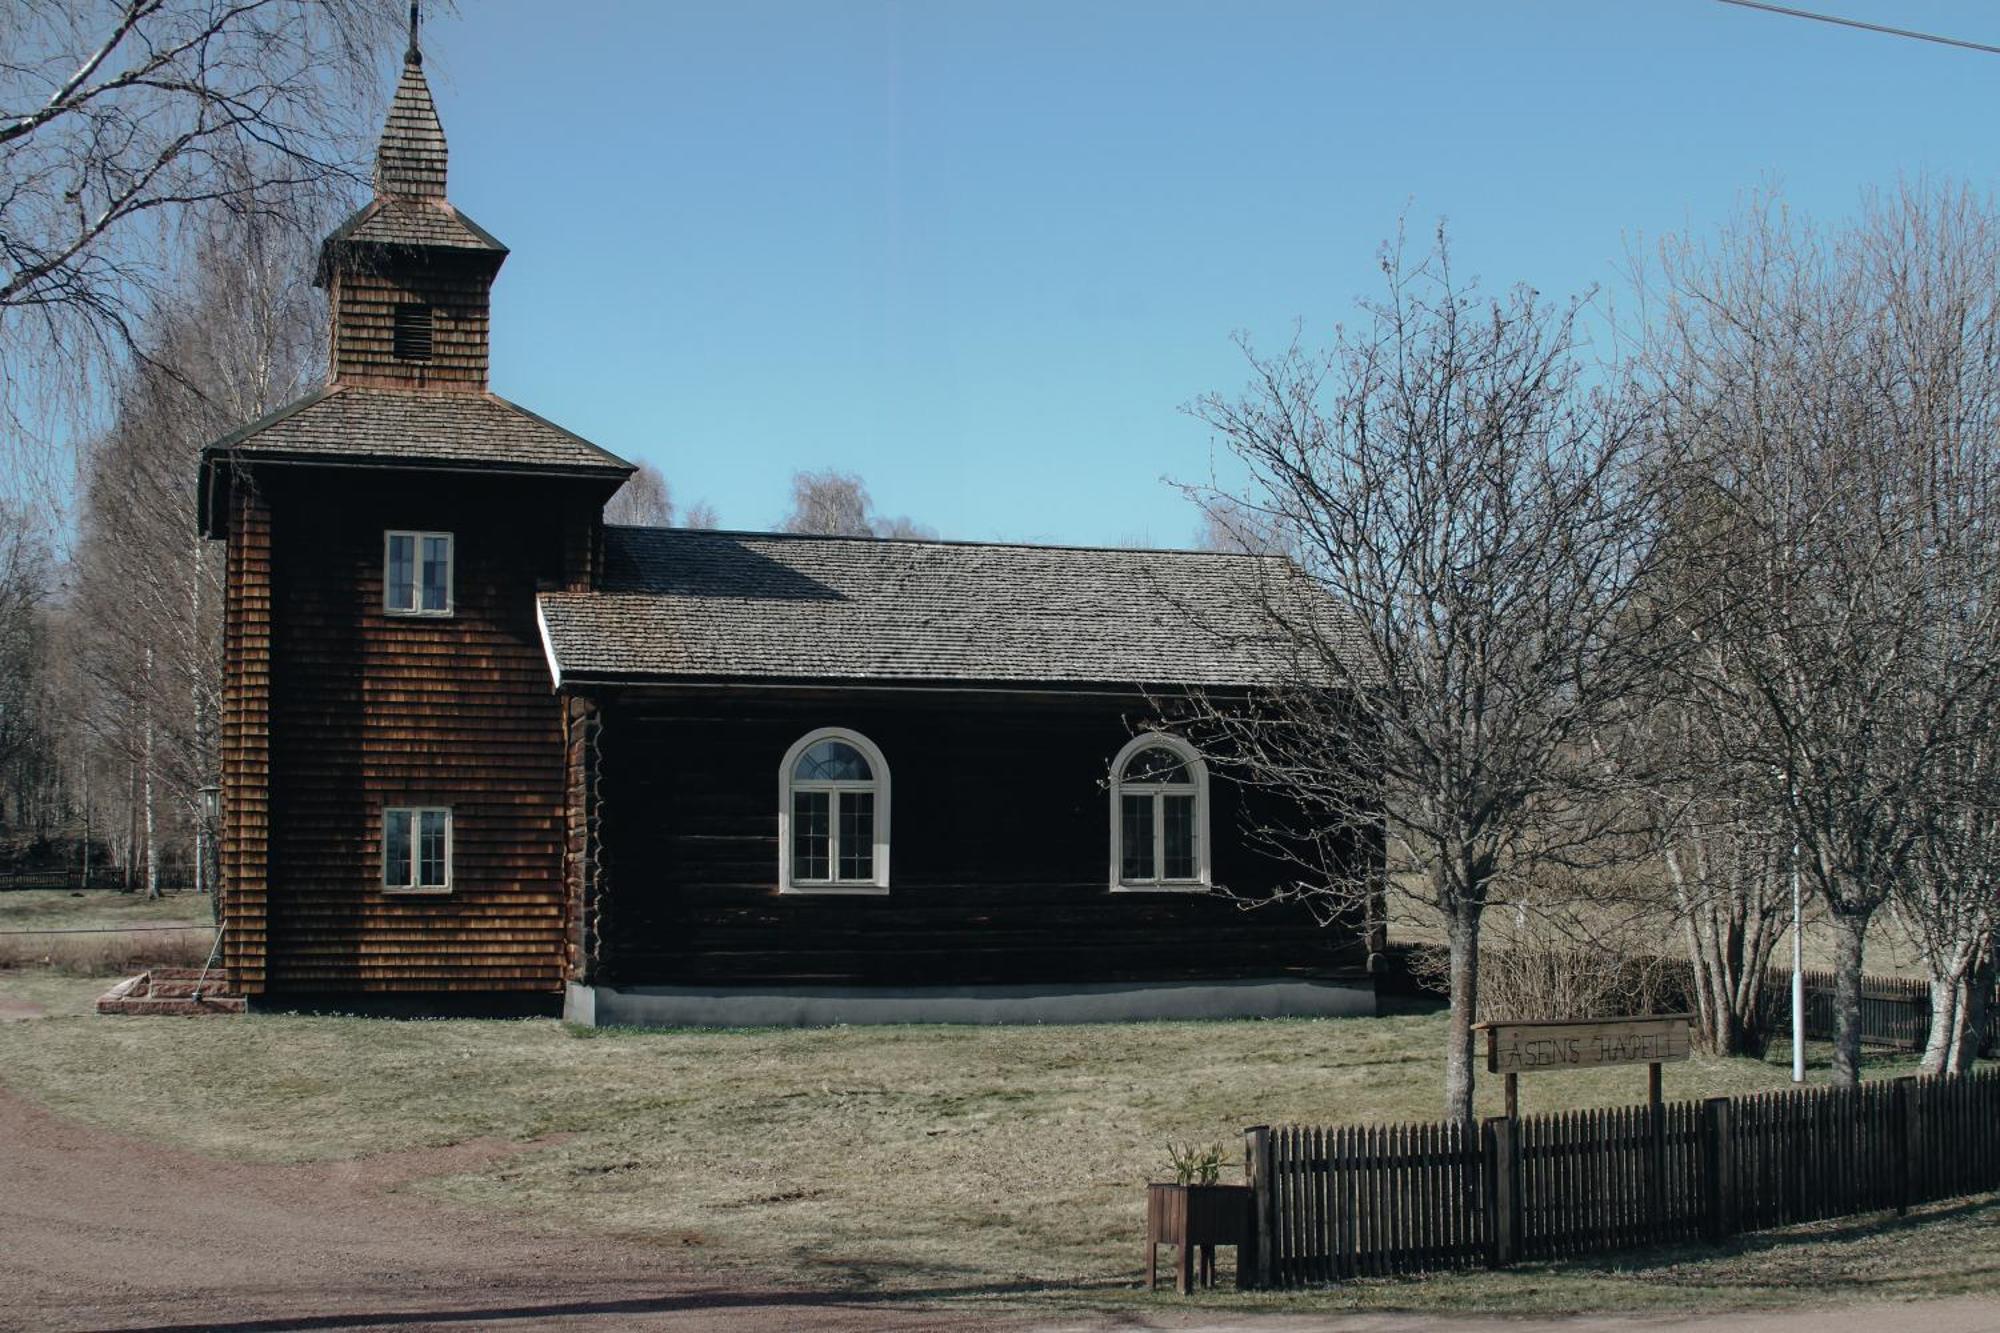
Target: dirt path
(98,1231)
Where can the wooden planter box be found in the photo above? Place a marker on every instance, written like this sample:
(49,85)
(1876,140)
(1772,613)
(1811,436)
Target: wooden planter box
(1197,1218)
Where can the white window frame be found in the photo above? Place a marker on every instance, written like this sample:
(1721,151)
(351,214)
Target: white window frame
(417,574)
(1198,788)
(416,814)
(880,786)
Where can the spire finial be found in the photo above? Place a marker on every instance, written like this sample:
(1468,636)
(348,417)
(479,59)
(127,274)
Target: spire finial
(415,55)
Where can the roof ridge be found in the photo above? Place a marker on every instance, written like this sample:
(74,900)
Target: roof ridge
(943,541)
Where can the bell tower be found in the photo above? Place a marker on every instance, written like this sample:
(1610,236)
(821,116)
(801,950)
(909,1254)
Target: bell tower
(409,278)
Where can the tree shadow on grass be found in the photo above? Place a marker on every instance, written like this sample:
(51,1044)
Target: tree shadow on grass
(1709,1264)
(615,1310)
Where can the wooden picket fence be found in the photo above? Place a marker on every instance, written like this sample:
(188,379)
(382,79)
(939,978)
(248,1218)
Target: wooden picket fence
(1895,1011)
(1331,1204)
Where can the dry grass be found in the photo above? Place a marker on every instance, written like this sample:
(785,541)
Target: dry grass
(1889,951)
(982,1160)
(117,953)
(60,909)
(113,933)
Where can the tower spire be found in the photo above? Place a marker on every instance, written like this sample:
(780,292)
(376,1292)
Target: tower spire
(410,161)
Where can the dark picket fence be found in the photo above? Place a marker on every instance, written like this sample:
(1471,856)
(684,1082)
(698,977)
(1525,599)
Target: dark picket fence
(1366,1200)
(99,878)
(1608,1179)
(1895,1011)
(1337,1203)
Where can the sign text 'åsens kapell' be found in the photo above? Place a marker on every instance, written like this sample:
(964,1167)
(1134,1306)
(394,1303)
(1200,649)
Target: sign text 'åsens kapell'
(1528,1048)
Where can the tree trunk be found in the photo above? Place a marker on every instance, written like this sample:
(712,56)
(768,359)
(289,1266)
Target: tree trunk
(1462,927)
(1850,931)
(152,846)
(1946,1017)
(1973,1013)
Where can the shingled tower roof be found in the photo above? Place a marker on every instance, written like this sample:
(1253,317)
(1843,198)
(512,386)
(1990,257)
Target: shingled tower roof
(410,208)
(410,161)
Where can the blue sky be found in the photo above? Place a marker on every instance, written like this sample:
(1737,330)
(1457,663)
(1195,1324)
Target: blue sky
(983,254)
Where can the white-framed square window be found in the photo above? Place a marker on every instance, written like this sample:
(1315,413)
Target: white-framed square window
(416,849)
(417,573)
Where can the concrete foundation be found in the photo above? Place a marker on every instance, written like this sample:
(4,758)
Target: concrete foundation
(1097,1002)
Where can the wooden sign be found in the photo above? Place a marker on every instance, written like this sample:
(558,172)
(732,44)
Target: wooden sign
(1537,1047)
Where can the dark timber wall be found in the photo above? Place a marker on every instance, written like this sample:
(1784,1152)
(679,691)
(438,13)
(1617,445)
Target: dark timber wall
(999,858)
(368,709)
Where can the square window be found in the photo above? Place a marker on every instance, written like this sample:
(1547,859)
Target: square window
(416,849)
(417,573)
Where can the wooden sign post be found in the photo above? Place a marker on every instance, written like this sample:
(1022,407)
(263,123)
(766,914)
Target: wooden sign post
(1548,1045)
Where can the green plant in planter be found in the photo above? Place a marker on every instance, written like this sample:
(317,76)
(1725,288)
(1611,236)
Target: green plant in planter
(1194,1165)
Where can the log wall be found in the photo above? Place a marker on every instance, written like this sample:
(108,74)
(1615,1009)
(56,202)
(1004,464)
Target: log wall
(999,858)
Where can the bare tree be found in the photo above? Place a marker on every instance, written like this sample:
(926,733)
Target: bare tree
(1727,867)
(701,514)
(903,527)
(1830,404)
(121,120)
(836,504)
(246,335)
(644,501)
(1466,502)
(1229,524)
(831,504)
(25,735)
(1950,901)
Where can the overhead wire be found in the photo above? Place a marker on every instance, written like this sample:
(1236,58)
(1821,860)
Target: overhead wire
(1883,28)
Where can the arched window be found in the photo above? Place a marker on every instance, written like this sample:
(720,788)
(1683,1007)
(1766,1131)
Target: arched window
(833,815)
(1159,816)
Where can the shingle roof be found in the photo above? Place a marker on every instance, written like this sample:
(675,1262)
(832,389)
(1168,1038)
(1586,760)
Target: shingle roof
(419,426)
(411,158)
(688,604)
(427,222)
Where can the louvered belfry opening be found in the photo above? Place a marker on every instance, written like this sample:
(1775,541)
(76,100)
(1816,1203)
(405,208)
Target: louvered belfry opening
(409,276)
(412,334)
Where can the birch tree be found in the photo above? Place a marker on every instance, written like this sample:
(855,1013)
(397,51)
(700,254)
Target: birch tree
(122,122)
(1831,401)
(247,336)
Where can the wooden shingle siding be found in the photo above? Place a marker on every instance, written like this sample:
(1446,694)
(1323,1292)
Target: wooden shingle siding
(371,709)
(246,737)
(365,302)
(1000,856)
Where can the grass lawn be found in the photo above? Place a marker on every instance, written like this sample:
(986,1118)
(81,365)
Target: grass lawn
(982,1160)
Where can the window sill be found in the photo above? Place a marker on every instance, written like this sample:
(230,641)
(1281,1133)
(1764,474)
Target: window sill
(1165,886)
(419,615)
(405,891)
(847,890)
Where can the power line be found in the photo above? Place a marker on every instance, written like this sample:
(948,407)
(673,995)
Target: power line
(1865,27)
